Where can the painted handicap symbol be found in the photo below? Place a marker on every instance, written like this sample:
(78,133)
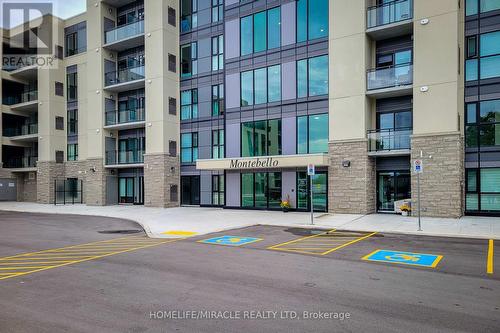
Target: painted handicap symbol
(406,258)
(230,240)
(403,257)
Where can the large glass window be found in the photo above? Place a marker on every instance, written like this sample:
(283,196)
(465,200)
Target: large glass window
(312,76)
(76,39)
(261,85)
(218,99)
(486,64)
(312,134)
(218,190)
(72,154)
(217,53)
(261,138)
(189,15)
(72,86)
(261,190)
(483,190)
(218,143)
(72,122)
(473,7)
(189,104)
(260,31)
(312,19)
(482,126)
(189,63)
(189,147)
(217,10)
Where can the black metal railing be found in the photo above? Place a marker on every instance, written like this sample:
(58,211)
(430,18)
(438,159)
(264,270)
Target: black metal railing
(124,116)
(389,139)
(21,162)
(387,13)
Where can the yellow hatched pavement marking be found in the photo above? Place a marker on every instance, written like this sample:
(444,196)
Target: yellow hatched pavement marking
(31,263)
(321,244)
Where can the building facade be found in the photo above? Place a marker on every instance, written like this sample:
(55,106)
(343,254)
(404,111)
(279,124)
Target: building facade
(225,103)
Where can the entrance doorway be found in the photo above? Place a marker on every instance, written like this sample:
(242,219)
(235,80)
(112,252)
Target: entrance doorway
(392,186)
(320,191)
(131,190)
(261,190)
(190,190)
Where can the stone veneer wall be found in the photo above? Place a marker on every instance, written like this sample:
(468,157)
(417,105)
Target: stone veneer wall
(351,189)
(48,171)
(94,190)
(26,187)
(441,183)
(158,177)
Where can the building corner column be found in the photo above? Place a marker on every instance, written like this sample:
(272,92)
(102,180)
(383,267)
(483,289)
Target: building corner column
(351,178)
(161,180)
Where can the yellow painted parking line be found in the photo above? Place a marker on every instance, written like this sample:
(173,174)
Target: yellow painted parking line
(76,255)
(179,233)
(489,262)
(323,243)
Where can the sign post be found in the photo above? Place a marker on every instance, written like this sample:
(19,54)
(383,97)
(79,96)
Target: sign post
(418,168)
(311,173)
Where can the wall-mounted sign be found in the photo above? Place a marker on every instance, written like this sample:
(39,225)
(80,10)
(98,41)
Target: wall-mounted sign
(254,163)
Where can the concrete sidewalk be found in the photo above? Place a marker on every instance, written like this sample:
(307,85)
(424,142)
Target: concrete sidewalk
(197,220)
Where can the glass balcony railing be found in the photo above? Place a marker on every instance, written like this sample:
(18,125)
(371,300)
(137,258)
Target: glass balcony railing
(26,129)
(388,13)
(25,97)
(389,139)
(114,157)
(391,76)
(124,116)
(124,75)
(124,32)
(21,162)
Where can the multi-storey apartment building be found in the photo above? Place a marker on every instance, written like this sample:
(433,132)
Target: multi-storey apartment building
(225,103)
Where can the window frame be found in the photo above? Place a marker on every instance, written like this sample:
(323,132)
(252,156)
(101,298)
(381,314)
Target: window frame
(308,88)
(193,104)
(267,86)
(192,148)
(218,146)
(266,34)
(218,52)
(268,142)
(218,99)
(308,143)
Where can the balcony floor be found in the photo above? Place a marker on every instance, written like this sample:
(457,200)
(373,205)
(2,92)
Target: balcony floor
(122,126)
(390,92)
(391,30)
(124,86)
(398,152)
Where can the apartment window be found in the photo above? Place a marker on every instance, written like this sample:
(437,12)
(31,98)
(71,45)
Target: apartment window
(260,31)
(483,190)
(473,7)
(189,147)
(261,85)
(312,76)
(483,124)
(261,138)
(59,123)
(71,86)
(72,152)
(217,10)
(172,148)
(59,88)
(218,189)
(217,53)
(76,39)
(312,134)
(486,64)
(189,104)
(172,106)
(171,63)
(171,16)
(59,156)
(72,122)
(218,143)
(217,99)
(58,52)
(189,15)
(312,19)
(189,64)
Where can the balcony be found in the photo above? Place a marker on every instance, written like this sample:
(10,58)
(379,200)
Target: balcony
(27,132)
(389,20)
(125,36)
(391,81)
(27,101)
(383,142)
(25,71)
(124,119)
(124,158)
(125,79)
(25,162)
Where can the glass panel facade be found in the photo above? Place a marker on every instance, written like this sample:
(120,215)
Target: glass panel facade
(261,138)
(483,190)
(260,31)
(488,59)
(312,19)
(274,28)
(189,104)
(472,7)
(312,134)
(312,76)
(246,35)
(247,192)
(189,147)
(247,88)
(261,190)
(261,86)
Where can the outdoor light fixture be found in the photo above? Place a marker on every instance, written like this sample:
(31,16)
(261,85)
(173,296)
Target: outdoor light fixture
(346,163)
(424,21)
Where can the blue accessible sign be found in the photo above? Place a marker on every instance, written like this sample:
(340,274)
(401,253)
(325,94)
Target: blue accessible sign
(230,240)
(407,258)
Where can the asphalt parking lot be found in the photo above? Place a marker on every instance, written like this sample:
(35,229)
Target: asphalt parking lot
(109,282)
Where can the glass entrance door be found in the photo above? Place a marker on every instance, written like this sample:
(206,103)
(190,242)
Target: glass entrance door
(190,190)
(392,186)
(261,190)
(320,191)
(126,190)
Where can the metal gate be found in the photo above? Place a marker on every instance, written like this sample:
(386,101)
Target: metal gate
(8,189)
(68,191)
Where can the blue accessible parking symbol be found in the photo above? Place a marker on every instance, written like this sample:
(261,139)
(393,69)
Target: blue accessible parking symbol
(230,240)
(407,258)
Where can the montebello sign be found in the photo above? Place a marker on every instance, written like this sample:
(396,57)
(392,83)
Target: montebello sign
(268,162)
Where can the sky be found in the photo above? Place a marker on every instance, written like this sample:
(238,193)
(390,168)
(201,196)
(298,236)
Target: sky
(61,8)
